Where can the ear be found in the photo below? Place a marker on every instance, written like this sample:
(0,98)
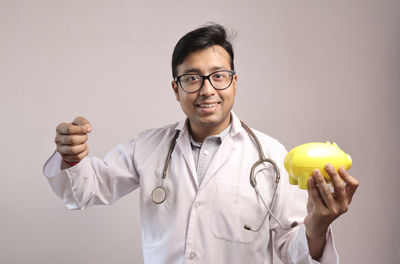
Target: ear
(234,84)
(176,89)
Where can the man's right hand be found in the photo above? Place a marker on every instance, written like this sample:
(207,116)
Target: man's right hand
(71,139)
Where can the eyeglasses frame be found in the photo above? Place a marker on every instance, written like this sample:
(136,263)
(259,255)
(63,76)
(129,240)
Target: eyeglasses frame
(205,77)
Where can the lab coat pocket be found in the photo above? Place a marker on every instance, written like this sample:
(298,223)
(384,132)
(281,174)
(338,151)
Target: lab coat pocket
(232,209)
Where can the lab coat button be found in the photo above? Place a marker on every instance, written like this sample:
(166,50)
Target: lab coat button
(196,205)
(192,255)
(206,152)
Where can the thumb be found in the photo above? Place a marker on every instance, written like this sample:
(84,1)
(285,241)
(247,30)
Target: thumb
(81,121)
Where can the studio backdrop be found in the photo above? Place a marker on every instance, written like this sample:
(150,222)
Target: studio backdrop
(307,71)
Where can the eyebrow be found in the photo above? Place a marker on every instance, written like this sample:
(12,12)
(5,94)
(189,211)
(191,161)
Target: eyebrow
(198,71)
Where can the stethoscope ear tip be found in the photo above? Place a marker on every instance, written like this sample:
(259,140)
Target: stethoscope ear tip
(295,223)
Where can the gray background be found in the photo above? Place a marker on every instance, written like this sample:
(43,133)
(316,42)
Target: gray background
(308,71)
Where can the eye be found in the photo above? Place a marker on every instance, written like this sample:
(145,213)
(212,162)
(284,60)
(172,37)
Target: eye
(190,78)
(193,78)
(220,76)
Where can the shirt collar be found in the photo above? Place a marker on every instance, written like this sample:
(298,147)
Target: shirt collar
(219,138)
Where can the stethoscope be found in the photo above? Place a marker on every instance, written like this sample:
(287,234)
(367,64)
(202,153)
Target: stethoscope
(159,194)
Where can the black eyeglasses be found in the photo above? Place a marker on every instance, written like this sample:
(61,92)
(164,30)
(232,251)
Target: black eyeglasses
(192,83)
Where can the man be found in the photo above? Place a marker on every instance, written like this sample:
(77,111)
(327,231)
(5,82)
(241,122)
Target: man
(196,210)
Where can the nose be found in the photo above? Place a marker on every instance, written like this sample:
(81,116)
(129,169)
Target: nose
(207,89)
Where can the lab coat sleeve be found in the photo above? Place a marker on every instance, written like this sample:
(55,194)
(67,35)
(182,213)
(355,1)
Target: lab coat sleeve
(94,181)
(291,205)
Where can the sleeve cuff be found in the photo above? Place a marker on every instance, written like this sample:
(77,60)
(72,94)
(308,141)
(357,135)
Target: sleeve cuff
(299,252)
(64,181)
(53,165)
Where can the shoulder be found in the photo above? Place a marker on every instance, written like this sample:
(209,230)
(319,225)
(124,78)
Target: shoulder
(150,138)
(156,133)
(271,145)
(152,144)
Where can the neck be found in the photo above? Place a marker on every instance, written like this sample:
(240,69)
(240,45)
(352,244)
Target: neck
(199,133)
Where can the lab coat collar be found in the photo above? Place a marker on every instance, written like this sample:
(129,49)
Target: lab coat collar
(237,127)
(183,142)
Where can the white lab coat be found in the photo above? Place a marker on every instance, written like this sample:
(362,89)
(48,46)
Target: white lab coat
(195,224)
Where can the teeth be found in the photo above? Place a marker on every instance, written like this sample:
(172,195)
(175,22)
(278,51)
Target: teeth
(207,105)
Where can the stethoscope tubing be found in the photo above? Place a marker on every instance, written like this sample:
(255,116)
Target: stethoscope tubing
(159,193)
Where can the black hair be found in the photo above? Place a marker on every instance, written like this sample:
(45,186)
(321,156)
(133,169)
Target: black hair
(198,39)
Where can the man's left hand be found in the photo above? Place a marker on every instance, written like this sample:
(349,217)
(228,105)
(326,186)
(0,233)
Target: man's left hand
(324,206)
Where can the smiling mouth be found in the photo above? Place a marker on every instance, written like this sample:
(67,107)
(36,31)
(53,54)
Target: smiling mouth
(207,105)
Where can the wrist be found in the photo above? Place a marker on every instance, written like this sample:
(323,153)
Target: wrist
(316,240)
(316,235)
(71,163)
(315,231)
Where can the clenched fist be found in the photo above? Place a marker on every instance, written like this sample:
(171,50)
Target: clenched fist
(71,139)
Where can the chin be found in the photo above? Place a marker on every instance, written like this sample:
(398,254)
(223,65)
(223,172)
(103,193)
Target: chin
(210,121)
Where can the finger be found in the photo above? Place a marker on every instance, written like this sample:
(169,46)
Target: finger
(83,154)
(337,183)
(76,158)
(70,139)
(310,203)
(71,129)
(81,121)
(323,189)
(351,183)
(71,150)
(314,193)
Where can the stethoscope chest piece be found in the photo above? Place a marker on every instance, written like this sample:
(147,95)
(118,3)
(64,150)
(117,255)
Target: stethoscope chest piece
(158,195)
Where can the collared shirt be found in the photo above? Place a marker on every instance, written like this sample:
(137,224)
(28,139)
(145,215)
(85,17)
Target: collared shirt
(196,223)
(203,152)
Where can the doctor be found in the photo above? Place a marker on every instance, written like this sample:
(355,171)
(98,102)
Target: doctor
(208,194)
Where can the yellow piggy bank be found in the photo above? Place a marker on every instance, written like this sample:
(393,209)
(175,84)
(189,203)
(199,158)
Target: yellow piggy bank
(301,161)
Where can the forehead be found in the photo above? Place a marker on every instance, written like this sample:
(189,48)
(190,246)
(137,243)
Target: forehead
(205,61)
